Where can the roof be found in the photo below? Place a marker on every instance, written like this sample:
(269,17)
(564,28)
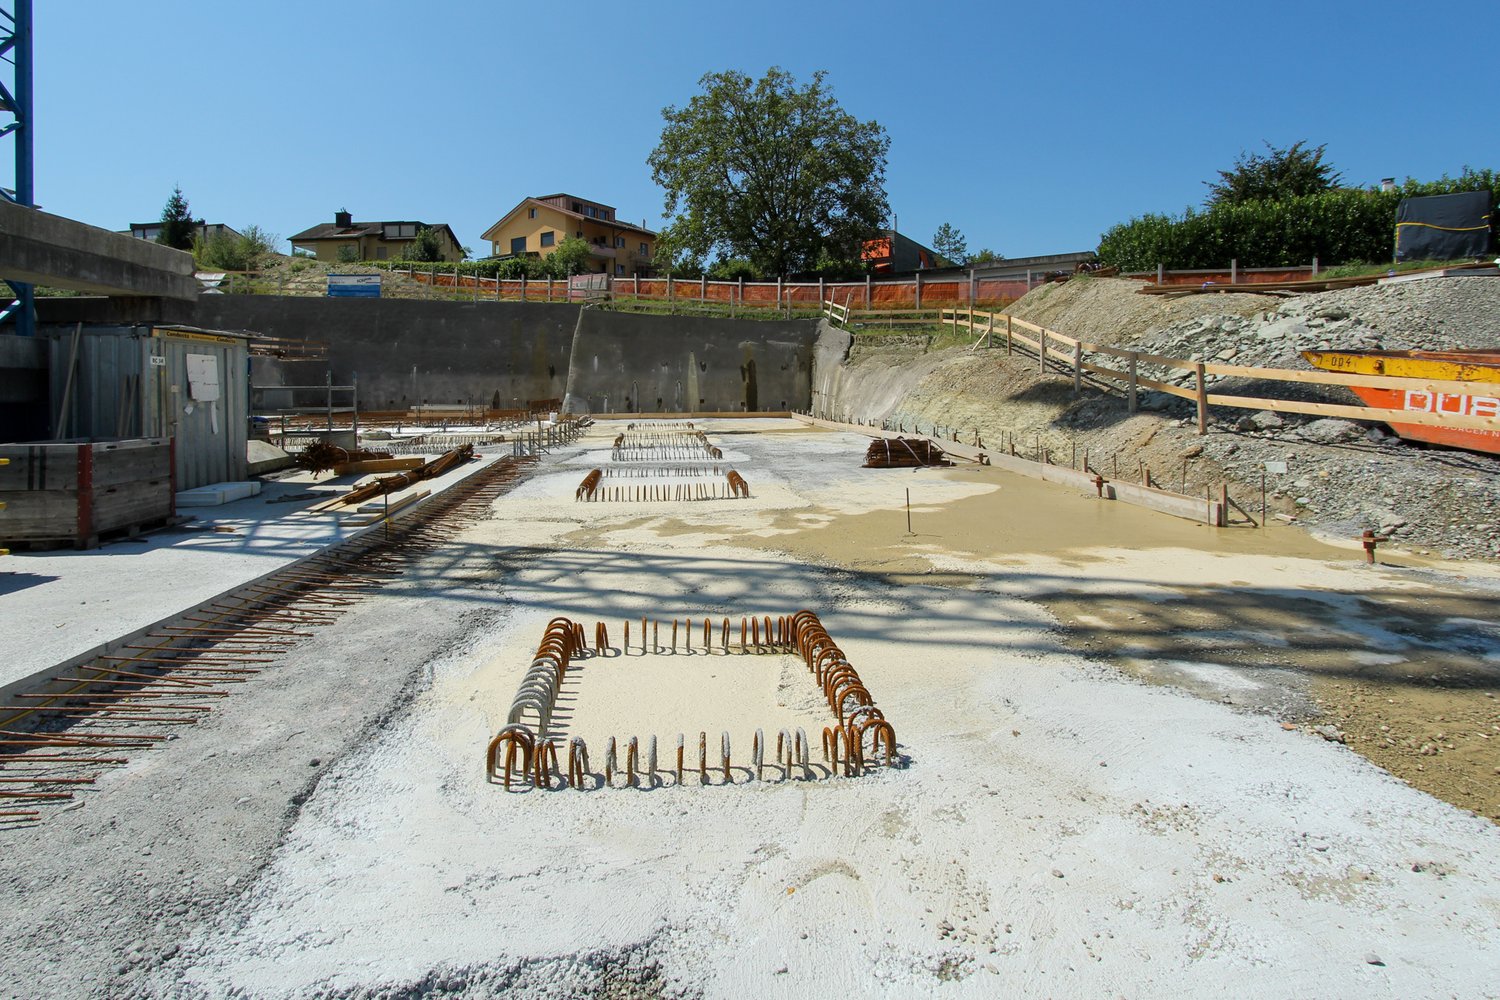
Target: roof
(611,223)
(334,231)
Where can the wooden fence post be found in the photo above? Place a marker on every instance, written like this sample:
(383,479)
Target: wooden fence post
(1041,354)
(1234,271)
(989,334)
(523,286)
(1135,358)
(1202,399)
(867,293)
(919,290)
(703,291)
(1009,346)
(1159,274)
(1077,367)
(671,296)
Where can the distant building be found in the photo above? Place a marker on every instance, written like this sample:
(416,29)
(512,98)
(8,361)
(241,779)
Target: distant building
(536,226)
(893,253)
(371,240)
(151,230)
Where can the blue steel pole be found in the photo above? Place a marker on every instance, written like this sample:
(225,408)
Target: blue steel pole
(24,307)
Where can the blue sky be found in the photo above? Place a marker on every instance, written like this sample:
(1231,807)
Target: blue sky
(1032,128)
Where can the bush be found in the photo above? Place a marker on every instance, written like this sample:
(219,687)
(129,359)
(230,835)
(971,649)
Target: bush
(1341,226)
(223,252)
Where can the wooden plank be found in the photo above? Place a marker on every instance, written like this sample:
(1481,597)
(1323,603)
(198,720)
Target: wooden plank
(1357,412)
(1363,381)
(378,465)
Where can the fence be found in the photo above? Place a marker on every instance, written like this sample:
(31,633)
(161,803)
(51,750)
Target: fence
(1068,354)
(867,294)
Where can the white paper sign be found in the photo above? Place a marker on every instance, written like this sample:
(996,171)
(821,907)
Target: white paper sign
(203,377)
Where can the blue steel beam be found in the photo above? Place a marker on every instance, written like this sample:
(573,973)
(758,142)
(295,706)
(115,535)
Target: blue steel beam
(15,40)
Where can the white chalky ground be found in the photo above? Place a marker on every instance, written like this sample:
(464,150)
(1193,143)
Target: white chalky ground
(1060,831)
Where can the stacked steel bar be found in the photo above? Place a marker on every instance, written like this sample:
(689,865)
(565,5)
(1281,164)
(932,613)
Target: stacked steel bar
(903,453)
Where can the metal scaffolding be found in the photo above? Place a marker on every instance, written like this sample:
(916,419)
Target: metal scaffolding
(16,102)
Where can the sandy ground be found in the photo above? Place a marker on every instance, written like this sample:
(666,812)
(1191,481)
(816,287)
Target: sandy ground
(1062,827)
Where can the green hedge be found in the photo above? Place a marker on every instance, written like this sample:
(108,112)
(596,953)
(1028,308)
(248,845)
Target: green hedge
(1342,226)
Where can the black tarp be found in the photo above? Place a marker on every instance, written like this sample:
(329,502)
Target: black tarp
(1444,226)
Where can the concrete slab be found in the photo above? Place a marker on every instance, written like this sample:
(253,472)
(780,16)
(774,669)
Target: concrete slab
(59,605)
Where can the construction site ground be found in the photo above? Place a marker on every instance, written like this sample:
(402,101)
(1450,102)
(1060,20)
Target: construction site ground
(1113,784)
(60,604)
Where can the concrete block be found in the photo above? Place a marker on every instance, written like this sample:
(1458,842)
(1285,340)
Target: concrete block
(216,494)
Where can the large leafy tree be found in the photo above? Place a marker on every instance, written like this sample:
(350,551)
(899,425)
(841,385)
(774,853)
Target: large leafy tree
(770,172)
(950,244)
(1279,174)
(177,226)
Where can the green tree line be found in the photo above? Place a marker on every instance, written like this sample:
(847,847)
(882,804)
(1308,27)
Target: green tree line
(1337,226)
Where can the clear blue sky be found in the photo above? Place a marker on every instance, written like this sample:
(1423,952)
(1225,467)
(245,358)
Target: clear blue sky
(1032,128)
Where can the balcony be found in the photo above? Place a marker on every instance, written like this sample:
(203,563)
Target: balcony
(609,253)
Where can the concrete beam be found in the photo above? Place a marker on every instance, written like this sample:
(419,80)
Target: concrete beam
(45,249)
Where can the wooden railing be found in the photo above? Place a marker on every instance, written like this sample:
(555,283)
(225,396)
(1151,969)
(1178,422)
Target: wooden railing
(837,314)
(1068,353)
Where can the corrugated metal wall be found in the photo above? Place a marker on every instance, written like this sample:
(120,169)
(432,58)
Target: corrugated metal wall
(133,382)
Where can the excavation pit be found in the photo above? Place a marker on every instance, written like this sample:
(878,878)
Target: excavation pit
(701,701)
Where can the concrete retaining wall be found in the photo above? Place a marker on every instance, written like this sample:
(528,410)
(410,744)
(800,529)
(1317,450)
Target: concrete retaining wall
(407,351)
(626,363)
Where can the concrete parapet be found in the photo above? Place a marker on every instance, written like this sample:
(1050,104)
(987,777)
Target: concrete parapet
(45,249)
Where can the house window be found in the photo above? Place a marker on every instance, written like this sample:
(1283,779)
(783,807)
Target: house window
(547,239)
(400,231)
(619,268)
(577,207)
(380,253)
(518,245)
(619,243)
(645,249)
(531,213)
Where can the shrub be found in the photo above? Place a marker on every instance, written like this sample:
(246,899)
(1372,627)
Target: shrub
(1344,225)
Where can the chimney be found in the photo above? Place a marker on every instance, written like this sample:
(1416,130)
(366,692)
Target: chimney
(343,219)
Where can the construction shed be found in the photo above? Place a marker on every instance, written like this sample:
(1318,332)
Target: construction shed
(122,382)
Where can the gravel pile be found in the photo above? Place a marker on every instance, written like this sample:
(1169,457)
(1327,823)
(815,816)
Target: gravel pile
(1437,314)
(1347,476)
(1343,477)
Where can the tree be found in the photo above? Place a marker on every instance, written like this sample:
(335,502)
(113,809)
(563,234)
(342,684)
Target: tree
(348,254)
(571,257)
(770,172)
(985,256)
(733,269)
(424,247)
(223,252)
(1280,174)
(950,244)
(177,225)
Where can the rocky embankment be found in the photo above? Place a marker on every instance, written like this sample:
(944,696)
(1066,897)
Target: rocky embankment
(1342,477)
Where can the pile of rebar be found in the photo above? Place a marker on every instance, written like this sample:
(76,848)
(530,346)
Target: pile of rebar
(320,456)
(903,453)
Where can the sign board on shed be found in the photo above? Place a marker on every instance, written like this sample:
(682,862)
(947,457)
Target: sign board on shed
(354,285)
(203,377)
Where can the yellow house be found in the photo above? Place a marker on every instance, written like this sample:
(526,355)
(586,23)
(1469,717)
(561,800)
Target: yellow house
(537,225)
(371,240)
